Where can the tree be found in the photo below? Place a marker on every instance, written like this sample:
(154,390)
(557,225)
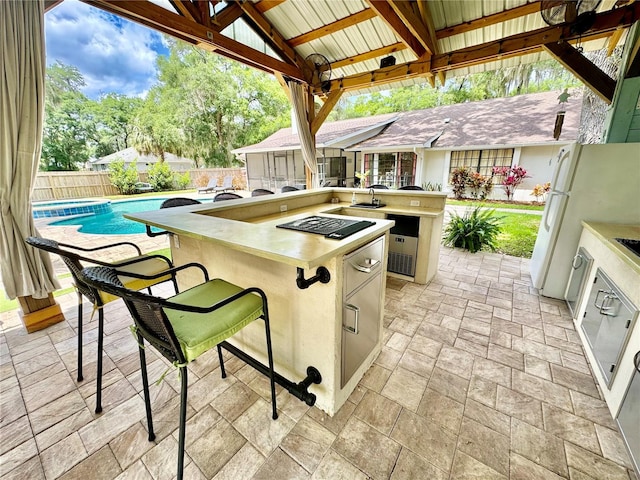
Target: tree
(68,126)
(113,115)
(523,78)
(205,105)
(123,178)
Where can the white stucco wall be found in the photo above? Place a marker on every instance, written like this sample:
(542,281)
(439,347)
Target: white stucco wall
(536,160)
(434,168)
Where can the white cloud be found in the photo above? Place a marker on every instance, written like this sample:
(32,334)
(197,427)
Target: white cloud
(113,54)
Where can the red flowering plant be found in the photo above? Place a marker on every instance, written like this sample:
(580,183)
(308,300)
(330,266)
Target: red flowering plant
(511,178)
(459,181)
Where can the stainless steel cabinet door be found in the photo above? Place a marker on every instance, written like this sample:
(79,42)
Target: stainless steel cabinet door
(628,417)
(607,322)
(580,268)
(360,324)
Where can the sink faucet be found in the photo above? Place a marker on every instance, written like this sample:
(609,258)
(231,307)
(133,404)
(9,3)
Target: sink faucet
(374,200)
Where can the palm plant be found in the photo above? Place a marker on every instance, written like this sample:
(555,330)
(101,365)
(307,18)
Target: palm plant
(476,229)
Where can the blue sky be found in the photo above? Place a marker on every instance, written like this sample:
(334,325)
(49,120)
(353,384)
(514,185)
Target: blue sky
(113,54)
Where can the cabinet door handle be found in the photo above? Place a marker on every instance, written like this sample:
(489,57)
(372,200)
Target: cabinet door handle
(370,263)
(577,261)
(595,301)
(606,309)
(356,311)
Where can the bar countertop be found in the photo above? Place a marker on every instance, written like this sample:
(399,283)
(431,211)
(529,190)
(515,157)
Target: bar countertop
(249,225)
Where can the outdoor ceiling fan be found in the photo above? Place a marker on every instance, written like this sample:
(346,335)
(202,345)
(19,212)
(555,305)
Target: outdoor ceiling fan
(580,14)
(321,71)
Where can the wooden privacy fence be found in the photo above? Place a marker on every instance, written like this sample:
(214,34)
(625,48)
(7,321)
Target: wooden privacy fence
(64,185)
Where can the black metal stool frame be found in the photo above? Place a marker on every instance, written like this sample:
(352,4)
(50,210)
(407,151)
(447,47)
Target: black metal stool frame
(72,261)
(106,280)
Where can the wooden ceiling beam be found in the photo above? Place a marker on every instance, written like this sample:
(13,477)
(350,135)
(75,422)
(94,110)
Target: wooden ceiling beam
(425,14)
(391,18)
(203,12)
(521,44)
(613,41)
(346,22)
(532,41)
(414,23)
(210,48)
(325,110)
(186,9)
(283,83)
(594,78)
(159,18)
(379,77)
(262,24)
(378,52)
(49,4)
(265,5)
(521,11)
(227,16)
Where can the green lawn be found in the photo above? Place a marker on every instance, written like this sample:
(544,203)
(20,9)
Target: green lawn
(518,235)
(506,205)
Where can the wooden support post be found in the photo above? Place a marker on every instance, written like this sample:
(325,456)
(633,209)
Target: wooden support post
(39,313)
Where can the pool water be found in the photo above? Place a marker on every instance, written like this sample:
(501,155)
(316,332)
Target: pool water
(113,223)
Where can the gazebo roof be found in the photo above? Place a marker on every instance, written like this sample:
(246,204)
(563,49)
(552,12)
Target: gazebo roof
(428,39)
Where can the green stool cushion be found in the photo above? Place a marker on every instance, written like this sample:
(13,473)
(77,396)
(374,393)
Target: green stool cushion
(199,332)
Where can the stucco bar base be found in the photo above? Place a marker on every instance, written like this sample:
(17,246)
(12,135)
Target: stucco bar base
(305,324)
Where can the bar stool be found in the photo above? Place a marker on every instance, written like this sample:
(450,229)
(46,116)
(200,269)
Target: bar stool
(187,325)
(139,264)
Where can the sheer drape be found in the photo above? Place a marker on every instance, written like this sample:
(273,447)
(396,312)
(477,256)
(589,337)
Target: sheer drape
(300,99)
(24,270)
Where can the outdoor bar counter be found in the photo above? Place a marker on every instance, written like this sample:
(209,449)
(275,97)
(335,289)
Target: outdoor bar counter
(238,241)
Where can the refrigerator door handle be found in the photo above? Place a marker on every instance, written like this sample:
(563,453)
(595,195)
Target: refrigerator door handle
(545,217)
(562,156)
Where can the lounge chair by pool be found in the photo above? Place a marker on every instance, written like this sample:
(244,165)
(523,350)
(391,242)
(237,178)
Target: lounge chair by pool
(211,186)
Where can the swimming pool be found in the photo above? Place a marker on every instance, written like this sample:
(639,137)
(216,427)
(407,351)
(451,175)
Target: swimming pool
(113,223)
(64,208)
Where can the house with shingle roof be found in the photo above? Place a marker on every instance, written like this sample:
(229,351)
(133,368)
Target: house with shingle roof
(423,146)
(142,161)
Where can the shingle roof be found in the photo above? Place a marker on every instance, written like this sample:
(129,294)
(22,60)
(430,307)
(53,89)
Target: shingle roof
(329,131)
(130,154)
(520,120)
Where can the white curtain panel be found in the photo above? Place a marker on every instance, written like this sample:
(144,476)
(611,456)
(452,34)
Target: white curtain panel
(300,99)
(25,271)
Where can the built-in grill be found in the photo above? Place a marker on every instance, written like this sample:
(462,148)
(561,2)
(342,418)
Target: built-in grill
(330,227)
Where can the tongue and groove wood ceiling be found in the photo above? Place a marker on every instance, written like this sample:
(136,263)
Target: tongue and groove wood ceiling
(429,39)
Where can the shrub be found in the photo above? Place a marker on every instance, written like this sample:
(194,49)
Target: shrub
(160,176)
(123,179)
(459,181)
(181,180)
(480,185)
(202,180)
(239,181)
(512,177)
(432,187)
(540,191)
(476,229)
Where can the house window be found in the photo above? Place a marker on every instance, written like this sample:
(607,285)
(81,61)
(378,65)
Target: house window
(481,161)
(336,166)
(391,169)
